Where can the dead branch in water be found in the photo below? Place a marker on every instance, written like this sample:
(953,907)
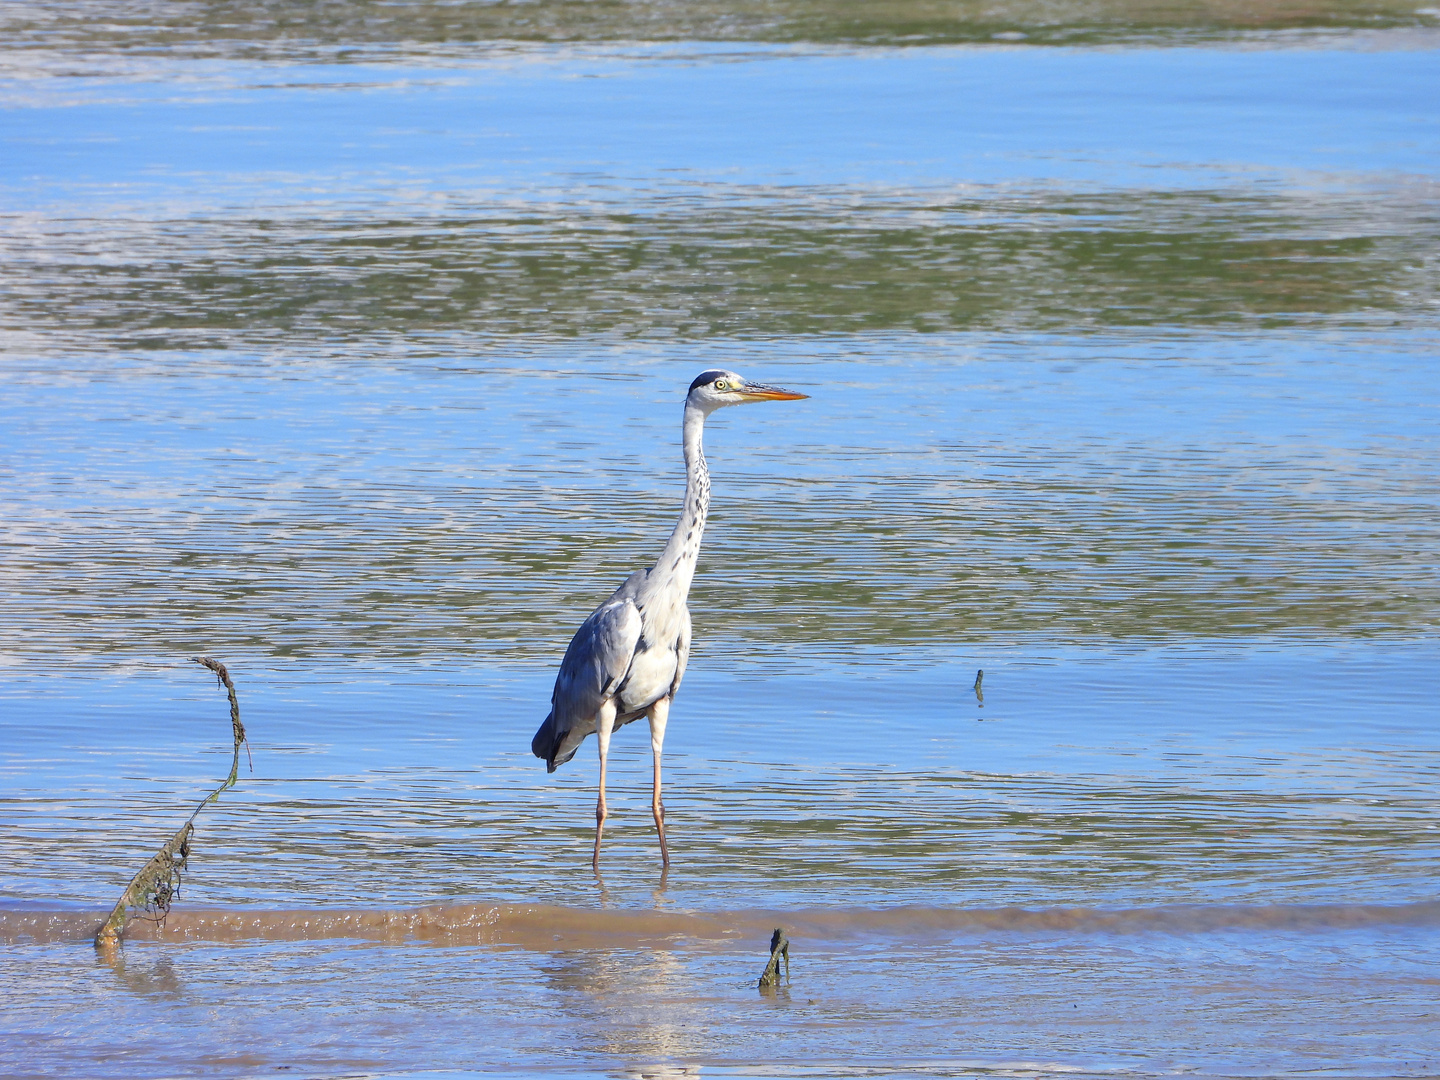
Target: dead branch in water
(779,946)
(222,676)
(158,883)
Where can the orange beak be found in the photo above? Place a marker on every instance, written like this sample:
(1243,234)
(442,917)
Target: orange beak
(756,392)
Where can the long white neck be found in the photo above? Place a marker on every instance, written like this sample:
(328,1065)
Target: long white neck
(675,568)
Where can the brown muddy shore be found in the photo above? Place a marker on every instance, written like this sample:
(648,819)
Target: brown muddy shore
(542,927)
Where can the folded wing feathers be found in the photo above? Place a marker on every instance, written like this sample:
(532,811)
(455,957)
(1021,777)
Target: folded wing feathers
(595,664)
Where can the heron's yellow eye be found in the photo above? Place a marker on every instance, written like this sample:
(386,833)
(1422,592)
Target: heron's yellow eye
(721,384)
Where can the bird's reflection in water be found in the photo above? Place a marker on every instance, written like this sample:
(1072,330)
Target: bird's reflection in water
(657,894)
(144,977)
(639,1005)
(602,890)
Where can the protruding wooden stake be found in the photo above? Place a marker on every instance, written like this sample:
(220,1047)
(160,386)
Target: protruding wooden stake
(779,947)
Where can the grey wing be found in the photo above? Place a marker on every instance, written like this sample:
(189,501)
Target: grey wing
(682,653)
(595,664)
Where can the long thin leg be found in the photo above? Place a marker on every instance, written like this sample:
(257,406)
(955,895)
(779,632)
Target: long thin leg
(604,725)
(659,714)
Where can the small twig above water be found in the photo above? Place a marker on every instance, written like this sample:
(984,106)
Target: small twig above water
(222,676)
(152,890)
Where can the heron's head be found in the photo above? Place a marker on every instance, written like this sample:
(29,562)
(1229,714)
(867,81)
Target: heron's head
(717,388)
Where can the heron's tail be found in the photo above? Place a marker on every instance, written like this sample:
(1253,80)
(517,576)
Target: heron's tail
(546,743)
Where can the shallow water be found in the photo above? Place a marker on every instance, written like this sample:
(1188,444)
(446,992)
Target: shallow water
(1295,776)
(365,378)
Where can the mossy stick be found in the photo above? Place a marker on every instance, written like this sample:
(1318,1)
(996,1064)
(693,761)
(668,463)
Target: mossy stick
(158,881)
(779,947)
(222,676)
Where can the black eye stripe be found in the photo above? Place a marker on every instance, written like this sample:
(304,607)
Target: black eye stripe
(707,377)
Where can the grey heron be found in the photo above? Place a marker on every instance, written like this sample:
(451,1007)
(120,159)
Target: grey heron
(627,659)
